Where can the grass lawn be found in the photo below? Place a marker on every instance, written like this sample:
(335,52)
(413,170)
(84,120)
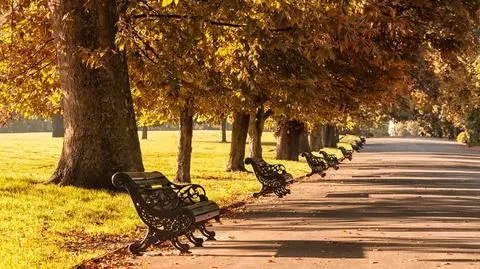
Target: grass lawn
(45,226)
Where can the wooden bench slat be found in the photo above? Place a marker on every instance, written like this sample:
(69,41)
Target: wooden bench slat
(205,209)
(207,216)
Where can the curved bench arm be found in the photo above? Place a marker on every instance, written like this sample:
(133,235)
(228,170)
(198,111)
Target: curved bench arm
(280,168)
(191,193)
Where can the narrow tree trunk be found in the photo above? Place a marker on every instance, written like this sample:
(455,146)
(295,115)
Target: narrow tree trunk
(239,139)
(144,132)
(100,130)
(473,127)
(185,145)
(289,136)
(303,144)
(255,130)
(331,136)
(316,137)
(224,130)
(58,128)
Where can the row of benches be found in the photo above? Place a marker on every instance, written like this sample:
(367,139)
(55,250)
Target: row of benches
(275,178)
(170,210)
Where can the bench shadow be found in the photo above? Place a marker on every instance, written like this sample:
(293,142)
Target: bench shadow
(289,249)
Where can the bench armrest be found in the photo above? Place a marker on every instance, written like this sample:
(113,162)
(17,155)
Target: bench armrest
(280,168)
(191,193)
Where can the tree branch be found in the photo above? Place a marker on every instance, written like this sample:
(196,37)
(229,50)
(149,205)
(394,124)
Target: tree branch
(212,22)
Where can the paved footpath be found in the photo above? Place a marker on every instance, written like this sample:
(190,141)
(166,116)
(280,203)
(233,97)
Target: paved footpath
(401,203)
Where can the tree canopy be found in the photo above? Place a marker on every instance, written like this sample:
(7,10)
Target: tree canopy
(312,61)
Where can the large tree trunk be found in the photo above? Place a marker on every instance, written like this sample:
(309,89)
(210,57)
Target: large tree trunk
(331,136)
(58,128)
(224,130)
(289,138)
(185,145)
(144,132)
(239,139)
(255,130)
(100,130)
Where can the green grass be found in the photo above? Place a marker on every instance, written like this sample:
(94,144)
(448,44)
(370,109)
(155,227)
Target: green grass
(45,226)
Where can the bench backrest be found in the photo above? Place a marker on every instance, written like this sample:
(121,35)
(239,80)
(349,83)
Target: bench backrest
(325,155)
(262,168)
(312,160)
(151,188)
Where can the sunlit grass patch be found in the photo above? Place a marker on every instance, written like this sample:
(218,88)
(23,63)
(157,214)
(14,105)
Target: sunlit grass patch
(45,226)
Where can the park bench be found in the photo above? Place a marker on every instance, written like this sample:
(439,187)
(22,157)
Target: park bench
(331,159)
(169,210)
(273,177)
(317,164)
(356,146)
(347,153)
(356,142)
(346,149)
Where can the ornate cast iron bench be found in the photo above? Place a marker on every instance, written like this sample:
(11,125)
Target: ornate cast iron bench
(273,177)
(317,164)
(348,153)
(331,159)
(356,145)
(169,210)
(359,145)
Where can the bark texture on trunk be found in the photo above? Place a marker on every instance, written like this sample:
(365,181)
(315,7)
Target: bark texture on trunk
(100,130)
(238,144)
(185,145)
(331,136)
(58,128)
(289,137)
(255,130)
(224,130)
(145,132)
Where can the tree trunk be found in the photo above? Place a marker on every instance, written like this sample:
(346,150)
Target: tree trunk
(289,136)
(316,137)
(185,145)
(331,136)
(239,139)
(473,127)
(58,128)
(145,132)
(224,130)
(100,130)
(255,130)
(303,144)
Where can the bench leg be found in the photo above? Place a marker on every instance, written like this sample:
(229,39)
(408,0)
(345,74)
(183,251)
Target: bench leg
(334,165)
(263,191)
(149,239)
(318,171)
(210,235)
(180,246)
(198,242)
(281,191)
